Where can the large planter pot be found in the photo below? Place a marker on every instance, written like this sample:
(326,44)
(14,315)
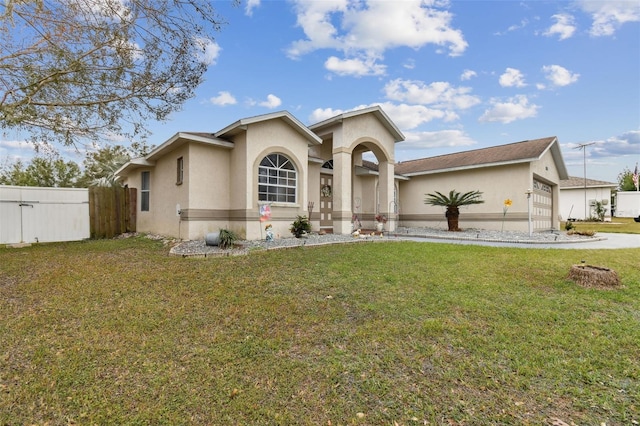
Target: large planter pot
(212,239)
(379,226)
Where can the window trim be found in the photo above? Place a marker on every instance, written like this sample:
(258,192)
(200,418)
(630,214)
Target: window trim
(277,180)
(179,170)
(145,191)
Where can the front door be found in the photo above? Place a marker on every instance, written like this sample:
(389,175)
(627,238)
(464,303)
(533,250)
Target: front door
(326,202)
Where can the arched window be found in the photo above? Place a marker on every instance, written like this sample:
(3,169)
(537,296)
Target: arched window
(277,179)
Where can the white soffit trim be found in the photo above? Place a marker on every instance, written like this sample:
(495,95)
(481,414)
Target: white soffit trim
(133,164)
(181,138)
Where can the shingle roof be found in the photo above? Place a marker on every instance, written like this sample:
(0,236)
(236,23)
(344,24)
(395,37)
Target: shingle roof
(578,182)
(370,165)
(496,155)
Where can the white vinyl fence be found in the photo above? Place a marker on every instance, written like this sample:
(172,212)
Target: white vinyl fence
(30,214)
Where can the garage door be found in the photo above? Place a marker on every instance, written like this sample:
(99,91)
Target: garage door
(542,206)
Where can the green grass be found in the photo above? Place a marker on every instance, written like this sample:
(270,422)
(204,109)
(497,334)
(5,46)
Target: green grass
(118,332)
(624,225)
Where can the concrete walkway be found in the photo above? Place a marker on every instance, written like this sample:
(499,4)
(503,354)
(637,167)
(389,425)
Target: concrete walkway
(605,241)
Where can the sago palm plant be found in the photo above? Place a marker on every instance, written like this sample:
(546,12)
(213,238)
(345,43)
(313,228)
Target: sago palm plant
(452,202)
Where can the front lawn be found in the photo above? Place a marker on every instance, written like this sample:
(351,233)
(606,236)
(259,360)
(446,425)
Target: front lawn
(624,225)
(117,332)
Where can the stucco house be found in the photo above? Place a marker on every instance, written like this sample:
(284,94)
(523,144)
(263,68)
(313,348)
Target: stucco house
(578,197)
(196,183)
(274,167)
(527,173)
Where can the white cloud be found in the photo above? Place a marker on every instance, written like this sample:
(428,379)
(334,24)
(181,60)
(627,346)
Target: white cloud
(512,28)
(564,26)
(223,98)
(559,76)
(513,109)
(210,50)
(440,139)
(251,4)
(610,15)
(468,75)
(410,64)
(625,144)
(354,28)
(406,117)
(354,67)
(16,144)
(272,102)
(439,94)
(321,114)
(512,78)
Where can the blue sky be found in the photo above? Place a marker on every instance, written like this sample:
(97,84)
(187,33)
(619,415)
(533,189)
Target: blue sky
(453,75)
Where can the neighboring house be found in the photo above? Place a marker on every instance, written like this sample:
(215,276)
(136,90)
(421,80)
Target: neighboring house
(527,173)
(578,197)
(196,183)
(273,165)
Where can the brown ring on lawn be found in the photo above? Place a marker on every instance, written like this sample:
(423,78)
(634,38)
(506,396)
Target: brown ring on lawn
(594,277)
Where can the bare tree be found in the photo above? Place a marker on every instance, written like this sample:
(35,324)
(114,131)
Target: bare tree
(73,70)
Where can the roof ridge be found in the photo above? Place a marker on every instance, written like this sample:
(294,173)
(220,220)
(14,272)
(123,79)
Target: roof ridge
(480,149)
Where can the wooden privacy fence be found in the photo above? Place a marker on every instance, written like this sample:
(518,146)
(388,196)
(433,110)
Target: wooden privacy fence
(112,211)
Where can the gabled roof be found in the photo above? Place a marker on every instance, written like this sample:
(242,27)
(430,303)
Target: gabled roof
(579,182)
(172,143)
(181,138)
(513,153)
(376,110)
(242,125)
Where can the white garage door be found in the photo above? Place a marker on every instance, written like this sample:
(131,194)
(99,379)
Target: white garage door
(542,206)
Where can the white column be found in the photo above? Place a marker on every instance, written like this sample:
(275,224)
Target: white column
(386,190)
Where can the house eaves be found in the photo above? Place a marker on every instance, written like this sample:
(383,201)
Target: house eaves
(369,168)
(133,164)
(575,182)
(182,138)
(174,142)
(376,110)
(501,155)
(243,124)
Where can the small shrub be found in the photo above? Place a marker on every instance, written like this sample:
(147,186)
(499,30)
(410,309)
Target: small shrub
(227,239)
(585,233)
(300,226)
(568,226)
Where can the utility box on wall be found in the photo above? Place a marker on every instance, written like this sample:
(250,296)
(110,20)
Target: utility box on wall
(33,214)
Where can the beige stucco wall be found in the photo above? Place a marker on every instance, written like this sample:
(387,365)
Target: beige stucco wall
(266,138)
(356,134)
(207,181)
(496,184)
(164,195)
(367,125)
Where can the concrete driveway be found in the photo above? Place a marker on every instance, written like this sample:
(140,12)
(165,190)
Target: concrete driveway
(605,241)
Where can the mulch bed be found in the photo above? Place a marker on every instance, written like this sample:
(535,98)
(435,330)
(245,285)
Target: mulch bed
(594,277)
